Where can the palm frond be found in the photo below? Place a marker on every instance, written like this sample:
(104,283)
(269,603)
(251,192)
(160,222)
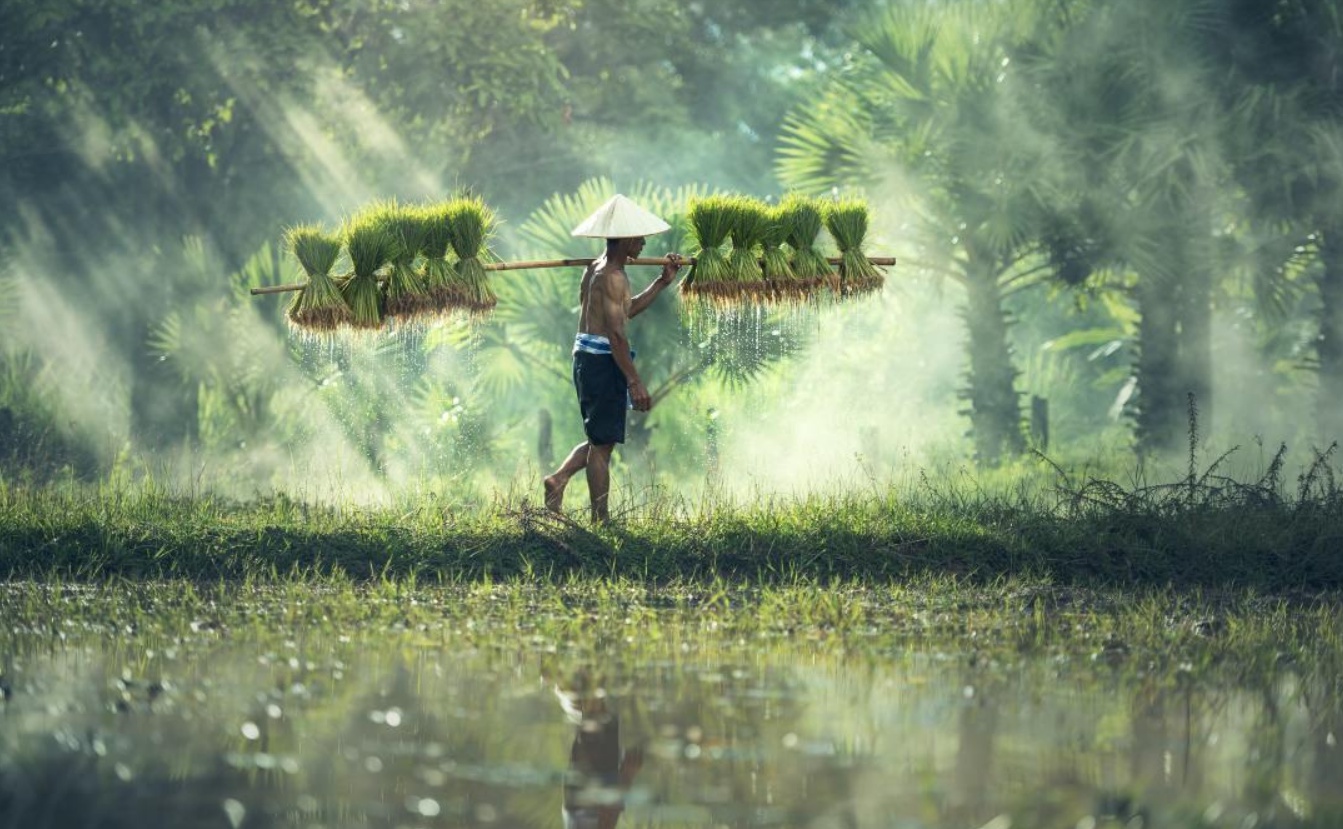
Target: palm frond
(1283,276)
(903,38)
(826,145)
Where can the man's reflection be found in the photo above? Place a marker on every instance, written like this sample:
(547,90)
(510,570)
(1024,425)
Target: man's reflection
(600,772)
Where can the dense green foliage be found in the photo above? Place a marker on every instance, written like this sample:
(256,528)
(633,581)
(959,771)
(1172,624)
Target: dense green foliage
(1130,203)
(1099,144)
(126,128)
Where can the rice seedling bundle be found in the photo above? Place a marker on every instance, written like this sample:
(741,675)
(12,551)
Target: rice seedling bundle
(805,219)
(847,220)
(406,295)
(319,306)
(747,229)
(370,245)
(437,275)
(775,262)
(470,224)
(710,222)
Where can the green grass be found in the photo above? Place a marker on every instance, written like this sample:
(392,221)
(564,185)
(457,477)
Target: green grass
(1019,614)
(1204,531)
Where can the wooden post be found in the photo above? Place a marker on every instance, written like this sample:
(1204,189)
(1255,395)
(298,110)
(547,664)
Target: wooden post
(711,443)
(1040,423)
(545,440)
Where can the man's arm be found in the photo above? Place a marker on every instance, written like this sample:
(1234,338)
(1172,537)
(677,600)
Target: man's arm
(615,300)
(647,295)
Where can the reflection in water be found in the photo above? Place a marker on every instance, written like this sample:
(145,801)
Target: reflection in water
(976,728)
(341,732)
(601,769)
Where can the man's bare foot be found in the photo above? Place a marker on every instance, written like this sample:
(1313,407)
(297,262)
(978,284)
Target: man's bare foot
(554,494)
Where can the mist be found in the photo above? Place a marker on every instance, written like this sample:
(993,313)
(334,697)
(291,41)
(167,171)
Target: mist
(150,191)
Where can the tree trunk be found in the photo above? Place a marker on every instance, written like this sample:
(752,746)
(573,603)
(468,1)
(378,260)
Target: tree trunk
(1158,409)
(1267,757)
(711,447)
(1329,344)
(545,440)
(995,408)
(1195,336)
(1163,390)
(971,784)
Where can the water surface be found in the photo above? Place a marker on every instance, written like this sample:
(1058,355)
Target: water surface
(275,713)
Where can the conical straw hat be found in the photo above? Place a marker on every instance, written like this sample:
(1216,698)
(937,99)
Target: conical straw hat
(620,218)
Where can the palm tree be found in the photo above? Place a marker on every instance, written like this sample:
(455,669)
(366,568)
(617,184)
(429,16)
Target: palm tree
(34,437)
(1282,71)
(927,116)
(1137,164)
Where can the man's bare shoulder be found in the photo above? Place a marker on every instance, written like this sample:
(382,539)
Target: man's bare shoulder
(611,277)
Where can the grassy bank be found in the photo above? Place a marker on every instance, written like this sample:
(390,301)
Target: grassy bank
(1204,531)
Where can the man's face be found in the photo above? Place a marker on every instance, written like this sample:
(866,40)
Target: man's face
(635,246)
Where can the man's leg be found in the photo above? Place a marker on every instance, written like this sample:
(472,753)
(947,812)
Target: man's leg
(555,483)
(599,480)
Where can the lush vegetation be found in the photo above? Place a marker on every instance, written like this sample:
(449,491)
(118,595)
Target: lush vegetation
(1126,203)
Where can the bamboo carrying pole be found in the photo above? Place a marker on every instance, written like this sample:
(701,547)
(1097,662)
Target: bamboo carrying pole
(883,261)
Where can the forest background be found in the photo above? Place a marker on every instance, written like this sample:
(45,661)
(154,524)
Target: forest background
(1116,208)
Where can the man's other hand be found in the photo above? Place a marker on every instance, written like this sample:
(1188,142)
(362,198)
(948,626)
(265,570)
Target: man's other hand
(639,396)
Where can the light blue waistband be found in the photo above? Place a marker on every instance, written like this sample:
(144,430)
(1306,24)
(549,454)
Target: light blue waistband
(591,344)
(594,344)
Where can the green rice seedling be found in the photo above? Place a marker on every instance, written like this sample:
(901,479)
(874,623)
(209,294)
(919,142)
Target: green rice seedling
(747,229)
(805,220)
(710,223)
(470,225)
(406,294)
(780,282)
(319,306)
(437,275)
(371,246)
(847,220)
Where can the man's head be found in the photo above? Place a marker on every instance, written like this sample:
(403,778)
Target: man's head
(628,246)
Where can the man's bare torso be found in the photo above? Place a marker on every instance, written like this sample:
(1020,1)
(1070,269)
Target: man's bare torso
(604,289)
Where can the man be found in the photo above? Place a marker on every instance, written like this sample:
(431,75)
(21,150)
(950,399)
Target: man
(604,373)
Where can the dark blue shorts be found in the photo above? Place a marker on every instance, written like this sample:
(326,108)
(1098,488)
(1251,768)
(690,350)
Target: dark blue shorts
(603,395)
